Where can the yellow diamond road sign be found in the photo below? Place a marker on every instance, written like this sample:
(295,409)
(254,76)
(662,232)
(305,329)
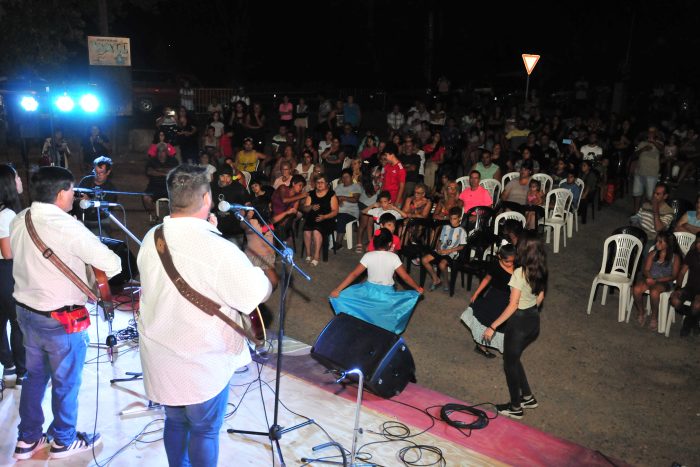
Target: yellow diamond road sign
(530,62)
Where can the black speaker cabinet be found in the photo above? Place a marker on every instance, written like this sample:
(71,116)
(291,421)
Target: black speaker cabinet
(383,357)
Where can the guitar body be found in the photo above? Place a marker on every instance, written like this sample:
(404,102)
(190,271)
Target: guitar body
(254,328)
(104,293)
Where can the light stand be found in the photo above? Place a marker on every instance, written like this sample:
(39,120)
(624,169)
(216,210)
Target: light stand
(275,431)
(356,430)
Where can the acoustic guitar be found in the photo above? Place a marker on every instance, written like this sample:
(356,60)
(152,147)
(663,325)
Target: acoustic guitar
(254,328)
(100,284)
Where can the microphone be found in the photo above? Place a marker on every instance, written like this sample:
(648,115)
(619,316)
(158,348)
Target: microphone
(225,206)
(87,204)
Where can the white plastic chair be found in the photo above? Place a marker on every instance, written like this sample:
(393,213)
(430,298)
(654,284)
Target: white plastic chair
(627,250)
(334,183)
(556,209)
(573,213)
(493,186)
(348,233)
(161,200)
(667,314)
(247,177)
(463,183)
(507,215)
(508,177)
(685,240)
(545,180)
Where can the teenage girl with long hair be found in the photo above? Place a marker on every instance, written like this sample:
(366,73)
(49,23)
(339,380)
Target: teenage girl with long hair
(527,286)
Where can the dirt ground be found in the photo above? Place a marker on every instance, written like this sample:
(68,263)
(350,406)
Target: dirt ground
(626,391)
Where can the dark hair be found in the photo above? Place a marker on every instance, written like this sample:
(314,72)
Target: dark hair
(536,182)
(102,160)
(384,194)
(382,239)
(455,211)
(367,182)
(225,169)
(47,182)
(347,171)
(662,184)
(475,172)
(506,251)
(186,187)
(297,178)
(386,217)
(9,198)
(513,227)
(670,239)
(533,259)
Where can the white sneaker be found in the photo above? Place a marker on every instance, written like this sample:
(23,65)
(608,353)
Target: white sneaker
(82,442)
(25,450)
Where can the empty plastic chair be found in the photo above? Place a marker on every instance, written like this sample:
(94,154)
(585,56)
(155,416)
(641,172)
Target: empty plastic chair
(626,252)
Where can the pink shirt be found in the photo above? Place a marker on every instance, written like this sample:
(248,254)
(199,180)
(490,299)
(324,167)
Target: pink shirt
(478,197)
(286,111)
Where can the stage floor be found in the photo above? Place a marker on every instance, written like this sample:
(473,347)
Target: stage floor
(306,392)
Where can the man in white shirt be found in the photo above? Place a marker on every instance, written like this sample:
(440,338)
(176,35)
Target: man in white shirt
(188,356)
(591,151)
(44,295)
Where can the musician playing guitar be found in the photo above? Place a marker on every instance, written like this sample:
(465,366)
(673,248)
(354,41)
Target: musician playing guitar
(190,352)
(51,311)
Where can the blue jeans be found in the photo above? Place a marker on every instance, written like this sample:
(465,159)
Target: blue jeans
(51,353)
(191,434)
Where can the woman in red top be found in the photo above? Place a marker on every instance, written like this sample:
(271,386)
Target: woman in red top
(434,156)
(286,111)
(153,149)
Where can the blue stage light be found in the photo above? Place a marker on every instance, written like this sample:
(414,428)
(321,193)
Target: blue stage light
(29,103)
(89,103)
(64,103)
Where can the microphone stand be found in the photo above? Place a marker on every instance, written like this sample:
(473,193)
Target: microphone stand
(275,431)
(111,341)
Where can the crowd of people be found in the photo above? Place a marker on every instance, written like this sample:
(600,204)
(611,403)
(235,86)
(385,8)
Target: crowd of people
(412,186)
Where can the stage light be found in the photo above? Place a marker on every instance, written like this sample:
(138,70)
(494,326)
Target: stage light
(89,103)
(29,103)
(64,103)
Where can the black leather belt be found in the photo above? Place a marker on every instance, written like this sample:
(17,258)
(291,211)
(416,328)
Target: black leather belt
(47,314)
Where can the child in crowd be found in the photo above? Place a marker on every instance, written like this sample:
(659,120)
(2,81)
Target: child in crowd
(535,197)
(575,189)
(387,221)
(204,162)
(451,242)
(511,232)
(382,206)
(376,301)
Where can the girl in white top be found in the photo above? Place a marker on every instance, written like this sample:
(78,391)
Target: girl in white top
(12,354)
(376,301)
(527,286)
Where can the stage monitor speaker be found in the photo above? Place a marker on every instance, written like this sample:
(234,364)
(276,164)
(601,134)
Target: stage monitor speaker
(127,257)
(383,357)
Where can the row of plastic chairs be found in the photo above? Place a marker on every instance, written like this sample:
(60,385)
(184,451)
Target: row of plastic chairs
(619,271)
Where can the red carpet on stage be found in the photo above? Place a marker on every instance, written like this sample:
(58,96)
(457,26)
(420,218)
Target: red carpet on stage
(504,440)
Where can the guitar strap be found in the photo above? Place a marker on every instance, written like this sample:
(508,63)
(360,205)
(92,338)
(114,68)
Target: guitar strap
(202,302)
(48,253)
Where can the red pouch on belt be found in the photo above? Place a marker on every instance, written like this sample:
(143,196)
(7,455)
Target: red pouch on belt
(73,321)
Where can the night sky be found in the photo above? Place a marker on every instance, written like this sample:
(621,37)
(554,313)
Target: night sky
(342,43)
